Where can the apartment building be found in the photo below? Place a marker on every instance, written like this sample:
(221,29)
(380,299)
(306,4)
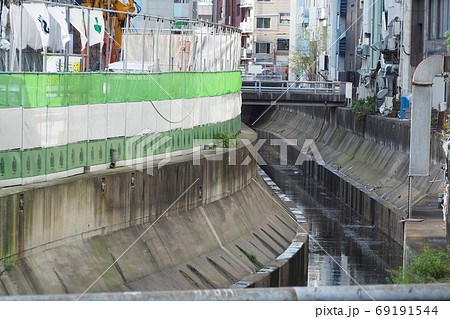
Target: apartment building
(180,9)
(265,32)
(376,45)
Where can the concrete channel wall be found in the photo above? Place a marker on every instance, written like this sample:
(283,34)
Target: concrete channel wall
(365,159)
(62,235)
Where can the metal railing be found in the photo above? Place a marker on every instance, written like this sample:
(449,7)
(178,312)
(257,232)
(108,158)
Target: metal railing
(416,292)
(145,43)
(261,86)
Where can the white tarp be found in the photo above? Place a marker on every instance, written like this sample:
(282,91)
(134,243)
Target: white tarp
(57,126)
(164,108)
(61,125)
(78,123)
(97,129)
(96,27)
(34,127)
(150,116)
(77,20)
(59,33)
(116,116)
(134,118)
(39,16)
(178,111)
(195,52)
(10,128)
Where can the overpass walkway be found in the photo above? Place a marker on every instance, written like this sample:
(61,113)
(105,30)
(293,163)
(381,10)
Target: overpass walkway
(260,92)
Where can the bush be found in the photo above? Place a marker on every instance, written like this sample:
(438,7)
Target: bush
(224,140)
(430,266)
(364,106)
(7,266)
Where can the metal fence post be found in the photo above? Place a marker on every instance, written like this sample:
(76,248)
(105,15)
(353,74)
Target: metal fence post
(158,21)
(143,44)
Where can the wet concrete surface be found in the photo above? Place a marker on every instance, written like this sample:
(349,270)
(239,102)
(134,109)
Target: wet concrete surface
(345,249)
(429,230)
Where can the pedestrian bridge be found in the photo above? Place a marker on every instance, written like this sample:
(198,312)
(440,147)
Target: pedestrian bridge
(261,91)
(259,95)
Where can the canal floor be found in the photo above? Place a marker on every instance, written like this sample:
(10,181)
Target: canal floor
(344,248)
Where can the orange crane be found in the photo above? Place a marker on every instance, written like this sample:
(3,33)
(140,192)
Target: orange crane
(116,20)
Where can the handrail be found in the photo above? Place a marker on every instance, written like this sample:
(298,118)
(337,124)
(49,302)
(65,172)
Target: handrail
(318,87)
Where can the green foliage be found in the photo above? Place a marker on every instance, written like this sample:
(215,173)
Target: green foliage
(224,139)
(446,127)
(364,106)
(304,58)
(251,257)
(434,121)
(395,105)
(6,267)
(427,267)
(447,40)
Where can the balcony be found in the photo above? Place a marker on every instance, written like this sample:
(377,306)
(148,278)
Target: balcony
(247,25)
(246,54)
(321,13)
(247,3)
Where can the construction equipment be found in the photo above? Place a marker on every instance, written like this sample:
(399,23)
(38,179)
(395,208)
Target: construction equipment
(116,20)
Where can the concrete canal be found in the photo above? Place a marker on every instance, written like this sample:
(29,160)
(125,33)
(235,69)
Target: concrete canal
(344,249)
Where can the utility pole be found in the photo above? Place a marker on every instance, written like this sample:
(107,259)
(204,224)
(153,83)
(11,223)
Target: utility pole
(405,50)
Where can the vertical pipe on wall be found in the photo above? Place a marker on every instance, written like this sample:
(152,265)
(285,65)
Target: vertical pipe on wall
(200,48)
(20,37)
(170,46)
(143,44)
(158,21)
(66,47)
(125,55)
(87,68)
(405,50)
(108,34)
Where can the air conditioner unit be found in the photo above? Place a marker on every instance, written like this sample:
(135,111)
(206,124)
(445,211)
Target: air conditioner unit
(323,62)
(397,28)
(363,50)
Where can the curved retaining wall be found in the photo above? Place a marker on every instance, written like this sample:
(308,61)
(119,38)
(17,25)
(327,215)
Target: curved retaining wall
(366,160)
(65,233)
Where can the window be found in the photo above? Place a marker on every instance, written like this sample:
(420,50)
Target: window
(285,18)
(283,45)
(263,23)
(238,10)
(262,47)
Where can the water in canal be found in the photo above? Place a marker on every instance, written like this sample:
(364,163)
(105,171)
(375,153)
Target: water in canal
(343,245)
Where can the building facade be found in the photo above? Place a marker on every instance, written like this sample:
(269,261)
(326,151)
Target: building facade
(375,45)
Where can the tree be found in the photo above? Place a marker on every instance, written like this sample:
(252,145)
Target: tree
(305,56)
(447,41)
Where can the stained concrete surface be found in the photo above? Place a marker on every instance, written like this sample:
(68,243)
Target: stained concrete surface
(69,234)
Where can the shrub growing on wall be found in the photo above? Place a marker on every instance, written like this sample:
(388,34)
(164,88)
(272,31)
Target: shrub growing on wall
(433,265)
